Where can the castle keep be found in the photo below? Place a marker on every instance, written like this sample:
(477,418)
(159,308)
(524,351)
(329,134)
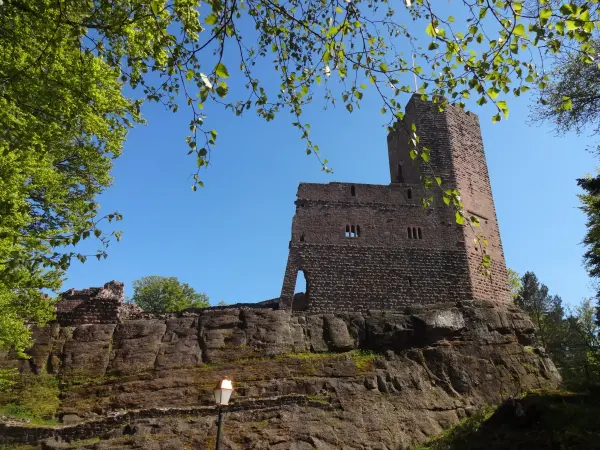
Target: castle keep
(365,246)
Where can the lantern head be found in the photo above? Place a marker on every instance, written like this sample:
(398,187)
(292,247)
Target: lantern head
(223,391)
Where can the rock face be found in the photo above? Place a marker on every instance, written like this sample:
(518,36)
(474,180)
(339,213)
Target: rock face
(350,380)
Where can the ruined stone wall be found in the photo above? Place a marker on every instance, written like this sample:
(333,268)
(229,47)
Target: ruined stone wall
(94,305)
(364,246)
(381,264)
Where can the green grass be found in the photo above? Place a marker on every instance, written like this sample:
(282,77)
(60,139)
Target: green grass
(363,359)
(33,397)
(318,398)
(550,420)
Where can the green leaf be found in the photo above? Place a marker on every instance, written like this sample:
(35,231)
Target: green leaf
(222,91)
(567,9)
(211,19)
(459,218)
(545,15)
(486,260)
(349,107)
(571,25)
(383,67)
(430,30)
(493,92)
(519,30)
(567,104)
(221,71)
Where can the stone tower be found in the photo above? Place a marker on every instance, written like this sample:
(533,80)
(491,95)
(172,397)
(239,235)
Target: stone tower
(363,246)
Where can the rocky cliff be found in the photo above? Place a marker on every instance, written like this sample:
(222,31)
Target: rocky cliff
(378,380)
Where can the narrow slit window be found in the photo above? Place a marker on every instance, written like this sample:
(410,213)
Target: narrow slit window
(353,191)
(420,233)
(409,232)
(414,234)
(410,281)
(409,194)
(302,237)
(347,231)
(352,232)
(357,231)
(400,175)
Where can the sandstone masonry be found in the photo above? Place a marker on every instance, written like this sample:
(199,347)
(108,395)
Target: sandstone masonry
(364,246)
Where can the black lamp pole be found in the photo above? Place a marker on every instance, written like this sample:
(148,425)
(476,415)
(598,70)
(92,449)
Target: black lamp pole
(220,425)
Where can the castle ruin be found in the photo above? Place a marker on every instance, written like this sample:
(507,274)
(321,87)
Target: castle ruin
(367,246)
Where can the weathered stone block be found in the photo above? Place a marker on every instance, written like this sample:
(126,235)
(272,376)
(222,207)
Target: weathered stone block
(136,346)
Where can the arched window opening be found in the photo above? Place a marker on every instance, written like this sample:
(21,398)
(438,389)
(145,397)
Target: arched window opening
(400,175)
(414,234)
(353,191)
(352,231)
(420,233)
(301,292)
(409,232)
(409,194)
(357,231)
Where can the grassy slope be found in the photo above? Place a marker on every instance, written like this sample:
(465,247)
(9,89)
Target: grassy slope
(539,420)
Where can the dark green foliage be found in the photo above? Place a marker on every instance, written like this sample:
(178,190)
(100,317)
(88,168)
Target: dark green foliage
(571,340)
(166,294)
(590,205)
(540,420)
(545,310)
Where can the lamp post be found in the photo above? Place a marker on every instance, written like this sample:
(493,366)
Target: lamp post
(223,393)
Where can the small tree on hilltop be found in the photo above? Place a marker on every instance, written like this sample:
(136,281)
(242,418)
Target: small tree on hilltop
(158,294)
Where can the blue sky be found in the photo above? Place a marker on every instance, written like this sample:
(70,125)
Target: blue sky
(230,239)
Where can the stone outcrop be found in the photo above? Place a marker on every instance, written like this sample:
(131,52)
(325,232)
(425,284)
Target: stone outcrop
(383,380)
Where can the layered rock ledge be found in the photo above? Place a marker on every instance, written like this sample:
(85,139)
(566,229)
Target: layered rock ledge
(384,380)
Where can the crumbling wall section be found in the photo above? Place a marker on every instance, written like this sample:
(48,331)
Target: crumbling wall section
(94,305)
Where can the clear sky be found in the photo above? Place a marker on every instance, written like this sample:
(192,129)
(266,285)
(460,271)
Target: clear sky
(230,239)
